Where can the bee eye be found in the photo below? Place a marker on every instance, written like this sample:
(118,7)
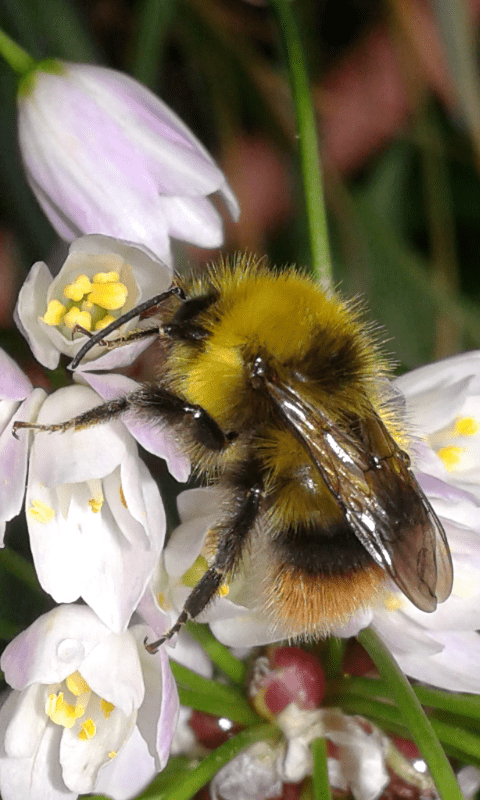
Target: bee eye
(258,372)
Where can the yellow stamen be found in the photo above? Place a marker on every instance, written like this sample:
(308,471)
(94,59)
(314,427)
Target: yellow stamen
(197,570)
(466,426)
(41,512)
(112,754)
(76,291)
(103,322)
(451,456)
(122,497)
(163,602)
(54,313)
(77,317)
(107,708)
(76,684)
(96,504)
(223,590)
(110,296)
(106,277)
(393,602)
(88,730)
(62,713)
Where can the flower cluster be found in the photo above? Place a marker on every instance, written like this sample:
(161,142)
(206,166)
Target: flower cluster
(90,710)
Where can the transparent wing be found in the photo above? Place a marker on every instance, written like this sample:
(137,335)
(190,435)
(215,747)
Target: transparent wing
(369,476)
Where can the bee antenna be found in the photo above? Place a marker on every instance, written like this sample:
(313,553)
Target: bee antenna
(117,323)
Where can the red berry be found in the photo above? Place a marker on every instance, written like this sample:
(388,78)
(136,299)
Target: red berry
(297,677)
(211,731)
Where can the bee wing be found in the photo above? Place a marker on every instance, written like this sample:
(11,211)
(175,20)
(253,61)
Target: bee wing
(369,476)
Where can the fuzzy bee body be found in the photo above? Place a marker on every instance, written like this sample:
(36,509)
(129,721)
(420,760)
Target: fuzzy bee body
(279,394)
(299,385)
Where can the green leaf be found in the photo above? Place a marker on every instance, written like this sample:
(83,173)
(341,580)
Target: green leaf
(413,715)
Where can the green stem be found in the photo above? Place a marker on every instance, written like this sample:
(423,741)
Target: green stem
(466,705)
(218,653)
(191,680)
(321,785)
(333,653)
(18,58)
(212,697)
(188,784)
(153,26)
(242,714)
(413,714)
(307,140)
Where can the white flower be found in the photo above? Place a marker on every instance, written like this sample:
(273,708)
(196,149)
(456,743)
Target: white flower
(90,710)
(94,513)
(18,400)
(443,405)
(152,436)
(235,616)
(359,766)
(101,279)
(252,775)
(105,155)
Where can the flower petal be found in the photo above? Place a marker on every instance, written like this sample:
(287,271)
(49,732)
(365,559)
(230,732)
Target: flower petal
(52,647)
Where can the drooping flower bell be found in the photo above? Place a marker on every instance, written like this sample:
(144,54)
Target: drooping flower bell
(103,154)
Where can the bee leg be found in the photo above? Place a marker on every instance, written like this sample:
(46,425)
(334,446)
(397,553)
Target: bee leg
(96,415)
(154,401)
(111,344)
(231,534)
(149,401)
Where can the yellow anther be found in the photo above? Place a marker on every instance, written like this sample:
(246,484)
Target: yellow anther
(62,713)
(110,296)
(197,570)
(41,512)
(163,602)
(112,754)
(88,730)
(78,289)
(466,426)
(451,456)
(76,684)
(107,708)
(223,590)
(77,317)
(122,496)
(55,313)
(393,602)
(106,277)
(103,322)
(96,504)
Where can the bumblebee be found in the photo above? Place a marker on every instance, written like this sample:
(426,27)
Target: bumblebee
(279,394)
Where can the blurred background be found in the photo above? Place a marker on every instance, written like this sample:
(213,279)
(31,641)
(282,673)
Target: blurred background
(396,90)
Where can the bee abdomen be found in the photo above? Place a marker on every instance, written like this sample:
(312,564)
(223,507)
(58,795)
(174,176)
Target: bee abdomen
(319,578)
(321,549)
